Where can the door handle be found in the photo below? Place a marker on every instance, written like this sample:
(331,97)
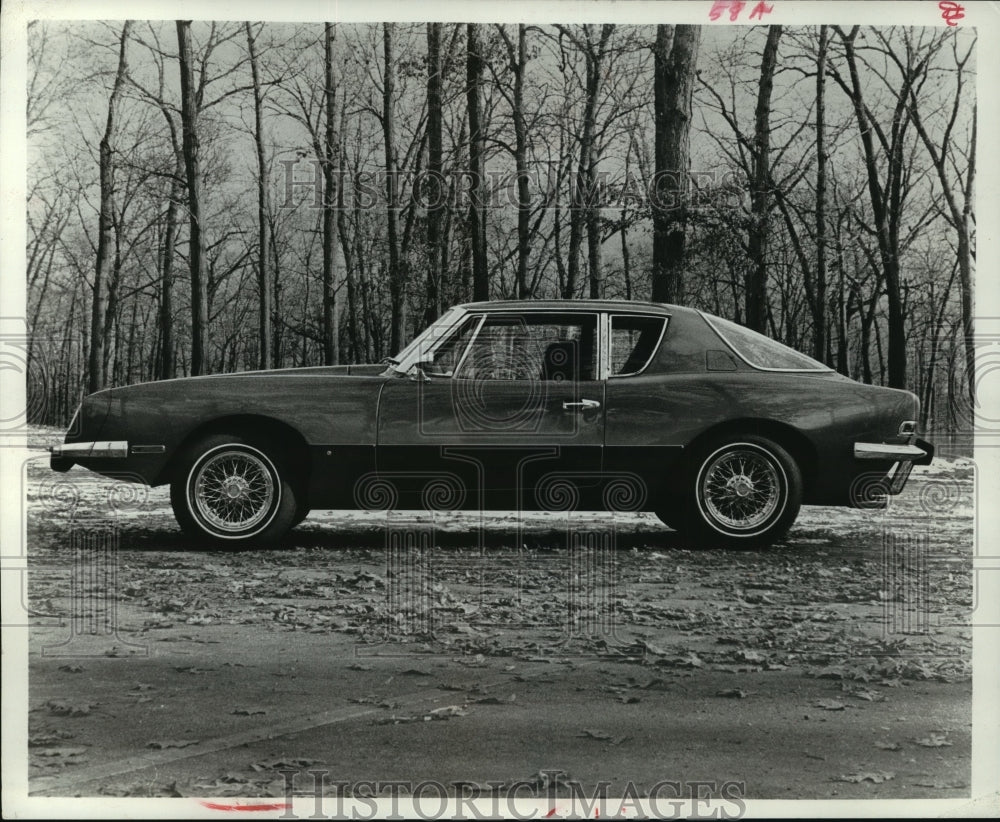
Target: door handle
(585,405)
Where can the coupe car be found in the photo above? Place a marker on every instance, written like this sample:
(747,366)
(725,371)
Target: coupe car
(542,405)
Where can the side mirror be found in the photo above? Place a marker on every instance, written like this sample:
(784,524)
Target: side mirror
(417,373)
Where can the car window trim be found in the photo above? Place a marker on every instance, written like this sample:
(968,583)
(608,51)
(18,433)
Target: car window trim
(468,346)
(600,318)
(665,319)
(823,369)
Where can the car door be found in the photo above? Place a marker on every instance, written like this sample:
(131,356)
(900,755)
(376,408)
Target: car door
(509,408)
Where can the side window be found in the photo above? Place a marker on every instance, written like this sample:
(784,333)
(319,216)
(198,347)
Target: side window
(533,347)
(448,354)
(633,342)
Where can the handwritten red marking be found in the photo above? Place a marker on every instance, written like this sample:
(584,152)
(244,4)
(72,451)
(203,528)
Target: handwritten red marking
(951,12)
(735,7)
(274,806)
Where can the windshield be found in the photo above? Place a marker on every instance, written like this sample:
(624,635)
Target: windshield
(422,344)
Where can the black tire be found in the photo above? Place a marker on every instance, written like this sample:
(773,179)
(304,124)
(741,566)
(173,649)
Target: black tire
(230,492)
(737,492)
(301,512)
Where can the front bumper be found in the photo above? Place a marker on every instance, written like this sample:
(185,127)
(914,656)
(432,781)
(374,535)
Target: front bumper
(111,449)
(903,455)
(65,456)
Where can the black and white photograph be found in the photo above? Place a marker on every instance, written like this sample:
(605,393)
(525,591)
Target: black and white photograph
(500,410)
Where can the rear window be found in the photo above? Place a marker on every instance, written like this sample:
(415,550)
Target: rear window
(761,351)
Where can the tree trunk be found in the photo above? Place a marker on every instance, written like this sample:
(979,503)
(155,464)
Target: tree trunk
(819,291)
(675,54)
(434,192)
(97,376)
(518,57)
(888,250)
(477,188)
(396,290)
(331,330)
(265,288)
(756,278)
(192,168)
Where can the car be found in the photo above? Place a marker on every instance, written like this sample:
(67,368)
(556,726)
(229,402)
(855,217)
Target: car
(517,405)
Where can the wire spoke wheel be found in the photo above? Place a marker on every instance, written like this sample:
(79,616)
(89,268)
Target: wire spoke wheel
(233,490)
(742,489)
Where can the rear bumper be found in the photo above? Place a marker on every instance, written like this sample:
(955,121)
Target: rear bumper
(885,451)
(903,456)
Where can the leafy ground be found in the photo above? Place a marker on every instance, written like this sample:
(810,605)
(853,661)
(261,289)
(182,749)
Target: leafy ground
(454,647)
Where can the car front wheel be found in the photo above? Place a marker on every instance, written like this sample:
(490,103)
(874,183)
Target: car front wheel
(742,492)
(231,491)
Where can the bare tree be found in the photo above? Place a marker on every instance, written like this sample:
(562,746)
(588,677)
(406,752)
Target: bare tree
(517,57)
(331,331)
(675,60)
(760,188)
(477,187)
(435,167)
(105,238)
(959,205)
(264,271)
(192,169)
(818,302)
(396,289)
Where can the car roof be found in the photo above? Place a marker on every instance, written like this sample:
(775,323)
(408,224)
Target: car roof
(579,305)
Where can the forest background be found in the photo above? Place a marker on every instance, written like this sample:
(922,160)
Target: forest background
(208,197)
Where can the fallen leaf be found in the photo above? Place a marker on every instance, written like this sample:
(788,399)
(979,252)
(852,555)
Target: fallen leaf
(447,712)
(65,752)
(59,707)
(934,740)
(47,736)
(830,704)
(283,765)
(942,785)
(868,776)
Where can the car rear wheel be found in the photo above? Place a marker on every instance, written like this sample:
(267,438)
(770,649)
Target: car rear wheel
(741,492)
(231,491)
(301,512)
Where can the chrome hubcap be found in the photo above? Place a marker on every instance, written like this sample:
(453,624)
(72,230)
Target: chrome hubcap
(233,490)
(740,489)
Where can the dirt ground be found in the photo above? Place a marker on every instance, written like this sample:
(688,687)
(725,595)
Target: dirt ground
(455,647)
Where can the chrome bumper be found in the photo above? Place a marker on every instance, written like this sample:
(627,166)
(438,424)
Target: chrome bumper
(106,449)
(884,451)
(905,456)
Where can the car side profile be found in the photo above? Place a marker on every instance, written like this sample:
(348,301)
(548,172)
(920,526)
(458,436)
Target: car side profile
(542,405)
